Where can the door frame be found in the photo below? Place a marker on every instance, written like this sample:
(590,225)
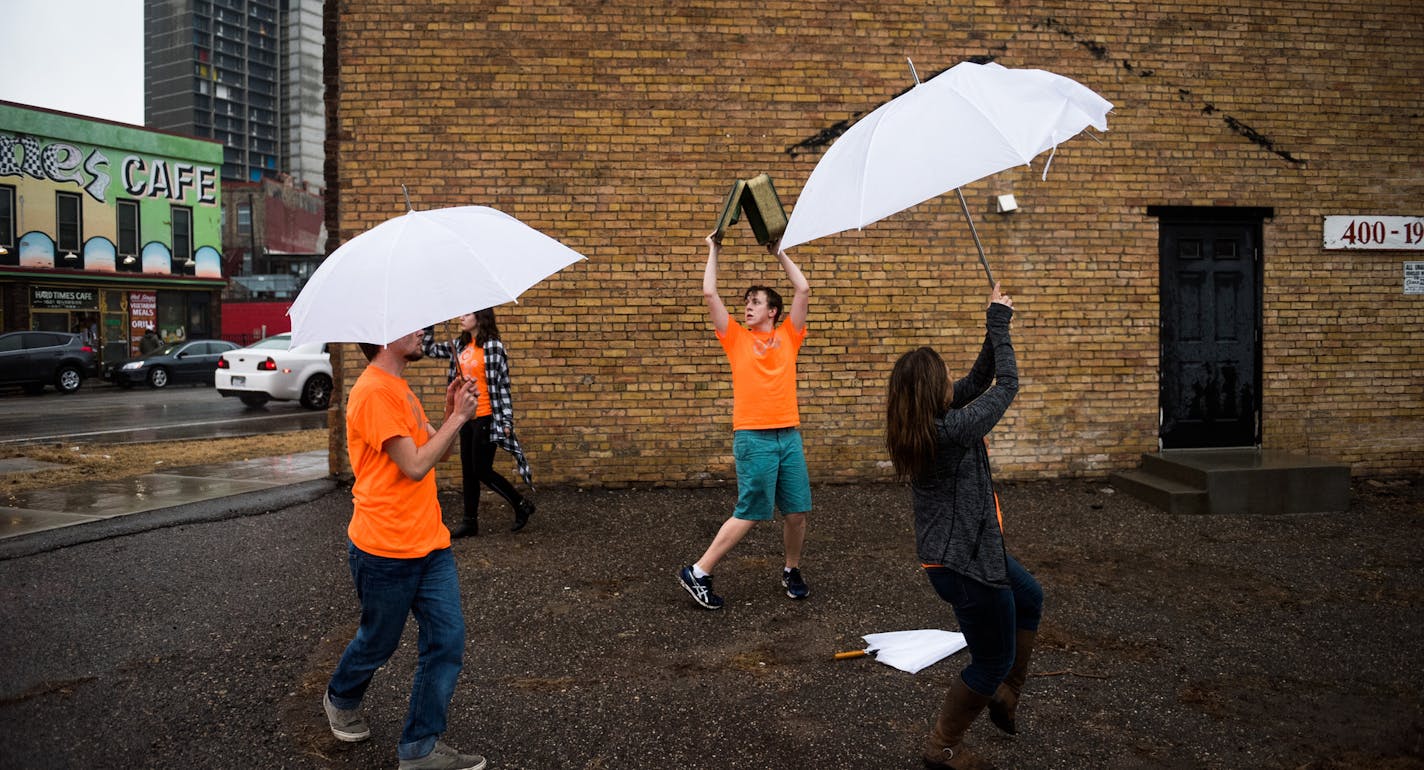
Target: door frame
(1251,216)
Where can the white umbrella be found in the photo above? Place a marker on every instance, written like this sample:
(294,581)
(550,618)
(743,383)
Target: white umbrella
(910,651)
(968,122)
(421,268)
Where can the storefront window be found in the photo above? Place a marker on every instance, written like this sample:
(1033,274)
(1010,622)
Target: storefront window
(172,316)
(49,321)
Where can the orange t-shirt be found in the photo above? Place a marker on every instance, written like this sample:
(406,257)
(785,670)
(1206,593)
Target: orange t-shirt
(763,375)
(394,517)
(472,366)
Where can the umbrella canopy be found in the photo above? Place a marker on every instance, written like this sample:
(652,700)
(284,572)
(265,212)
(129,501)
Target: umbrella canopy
(422,268)
(911,651)
(968,122)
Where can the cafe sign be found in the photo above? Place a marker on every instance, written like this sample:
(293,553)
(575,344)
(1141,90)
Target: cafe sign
(42,298)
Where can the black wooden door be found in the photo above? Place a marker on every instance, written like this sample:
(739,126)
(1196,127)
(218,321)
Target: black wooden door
(1210,388)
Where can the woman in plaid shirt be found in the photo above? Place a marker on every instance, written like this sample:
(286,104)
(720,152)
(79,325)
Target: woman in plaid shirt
(486,363)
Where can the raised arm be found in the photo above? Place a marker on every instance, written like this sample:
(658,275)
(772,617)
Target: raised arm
(433,349)
(715,309)
(981,375)
(975,419)
(801,298)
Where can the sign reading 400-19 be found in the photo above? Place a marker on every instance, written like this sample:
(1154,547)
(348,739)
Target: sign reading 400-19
(1374,232)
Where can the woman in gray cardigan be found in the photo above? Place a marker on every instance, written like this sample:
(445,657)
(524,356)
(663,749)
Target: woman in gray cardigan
(935,433)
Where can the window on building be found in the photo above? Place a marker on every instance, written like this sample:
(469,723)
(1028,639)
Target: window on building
(68,229)
(9,249)
(182,219)
(129,238)
(244,219)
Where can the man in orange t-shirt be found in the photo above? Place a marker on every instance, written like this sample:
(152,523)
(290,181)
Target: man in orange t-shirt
(766,435)
(400,554)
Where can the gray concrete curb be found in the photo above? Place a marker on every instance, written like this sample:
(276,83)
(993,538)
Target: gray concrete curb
(217,509)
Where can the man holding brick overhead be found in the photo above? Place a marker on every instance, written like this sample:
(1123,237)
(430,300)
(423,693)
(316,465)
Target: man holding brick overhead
(766,438)
(400,554)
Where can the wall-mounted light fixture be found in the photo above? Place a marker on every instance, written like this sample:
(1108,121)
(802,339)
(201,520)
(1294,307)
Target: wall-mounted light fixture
(70,256)
(3,251)
(129,260)
(1005,204)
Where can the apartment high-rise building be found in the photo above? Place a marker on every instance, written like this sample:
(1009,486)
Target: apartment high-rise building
(247,73)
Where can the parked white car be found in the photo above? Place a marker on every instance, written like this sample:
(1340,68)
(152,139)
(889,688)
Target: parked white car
(273,370)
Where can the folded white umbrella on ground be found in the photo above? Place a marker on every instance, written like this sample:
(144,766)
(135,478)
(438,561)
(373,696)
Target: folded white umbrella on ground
(910,651)
(419,269)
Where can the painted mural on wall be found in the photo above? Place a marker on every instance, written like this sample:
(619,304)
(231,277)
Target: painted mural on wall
(135,205)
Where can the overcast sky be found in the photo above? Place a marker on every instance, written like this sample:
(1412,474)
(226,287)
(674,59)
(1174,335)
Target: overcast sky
(80,56)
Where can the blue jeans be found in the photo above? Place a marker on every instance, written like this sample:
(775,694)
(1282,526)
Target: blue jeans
(989,618)
(389,590)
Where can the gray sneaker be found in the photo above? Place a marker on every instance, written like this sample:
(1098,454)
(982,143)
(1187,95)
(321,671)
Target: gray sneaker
(443,757)
(346,724)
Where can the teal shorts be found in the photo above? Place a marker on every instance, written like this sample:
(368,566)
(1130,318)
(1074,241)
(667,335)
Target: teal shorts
(771,473)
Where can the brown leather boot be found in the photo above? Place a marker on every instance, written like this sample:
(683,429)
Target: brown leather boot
(1006,699)
(945,749)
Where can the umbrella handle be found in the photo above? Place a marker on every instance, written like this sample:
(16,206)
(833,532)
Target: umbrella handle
(851,654)
(982,260)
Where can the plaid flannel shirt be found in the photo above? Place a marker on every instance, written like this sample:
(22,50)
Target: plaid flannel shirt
(497,380)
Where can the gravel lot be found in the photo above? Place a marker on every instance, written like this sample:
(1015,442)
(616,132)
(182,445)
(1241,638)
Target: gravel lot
(1168,641)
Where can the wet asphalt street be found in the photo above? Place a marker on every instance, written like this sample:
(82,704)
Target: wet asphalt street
(102,413)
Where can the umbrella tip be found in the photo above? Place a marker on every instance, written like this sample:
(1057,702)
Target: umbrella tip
(406,193)
(913,73)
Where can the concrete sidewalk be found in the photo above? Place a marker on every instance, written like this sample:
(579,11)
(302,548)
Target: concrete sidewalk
(43,519)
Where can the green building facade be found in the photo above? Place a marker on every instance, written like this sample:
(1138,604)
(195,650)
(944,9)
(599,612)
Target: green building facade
(107,229)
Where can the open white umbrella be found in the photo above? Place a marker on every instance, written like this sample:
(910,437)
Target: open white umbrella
(421,268)
(968,122)
(909,651)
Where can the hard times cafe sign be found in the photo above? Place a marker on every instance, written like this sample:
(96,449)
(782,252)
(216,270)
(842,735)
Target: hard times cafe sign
(141,177)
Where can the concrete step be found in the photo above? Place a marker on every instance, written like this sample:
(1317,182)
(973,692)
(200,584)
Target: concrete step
(1168,494)
(1241,481)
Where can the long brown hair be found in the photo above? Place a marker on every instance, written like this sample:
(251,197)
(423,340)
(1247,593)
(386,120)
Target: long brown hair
(485,329)
(918,393)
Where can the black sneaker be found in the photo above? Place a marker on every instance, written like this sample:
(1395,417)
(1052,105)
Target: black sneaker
(793,583)
(700,588)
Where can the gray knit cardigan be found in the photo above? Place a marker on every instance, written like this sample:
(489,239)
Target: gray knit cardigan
(955,521)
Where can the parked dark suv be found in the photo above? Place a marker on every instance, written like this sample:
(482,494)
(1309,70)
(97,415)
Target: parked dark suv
(33,360)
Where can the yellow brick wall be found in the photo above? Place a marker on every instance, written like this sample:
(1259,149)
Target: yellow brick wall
(617,127)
